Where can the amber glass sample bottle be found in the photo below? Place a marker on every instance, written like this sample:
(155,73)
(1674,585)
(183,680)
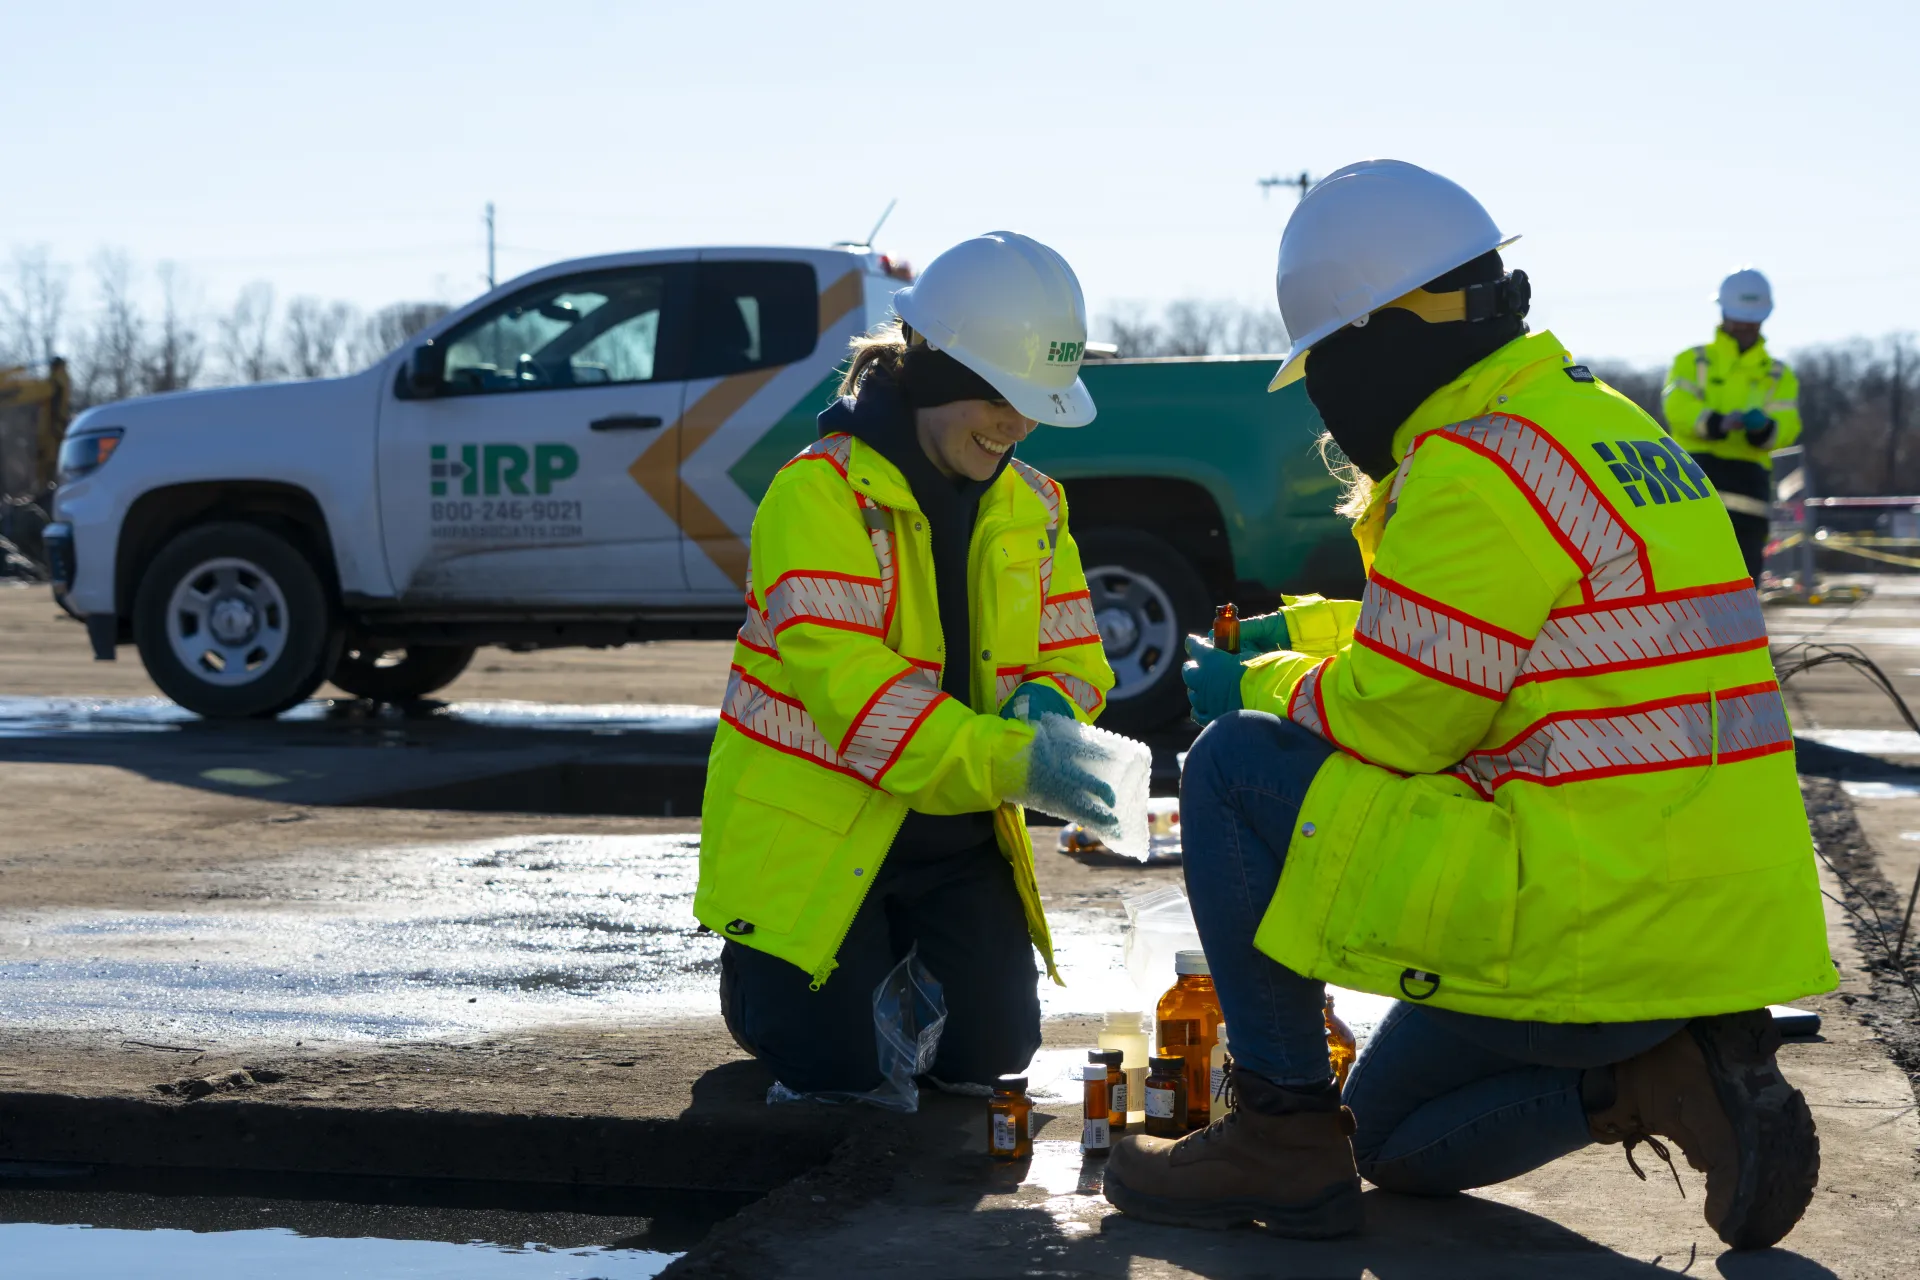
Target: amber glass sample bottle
(1188,1022)
(1167,1095)
(1096,1130)
(1226,628)
(1009,1120)
(1117,1101)
(1341,1049)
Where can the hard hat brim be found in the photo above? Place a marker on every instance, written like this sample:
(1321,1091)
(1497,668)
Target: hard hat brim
(1072,407)
(1291,370)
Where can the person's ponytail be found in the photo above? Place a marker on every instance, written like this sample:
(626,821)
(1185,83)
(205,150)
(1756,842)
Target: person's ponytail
(883,350)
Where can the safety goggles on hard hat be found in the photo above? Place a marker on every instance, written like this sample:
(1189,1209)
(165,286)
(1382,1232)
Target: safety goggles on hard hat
(1510,295)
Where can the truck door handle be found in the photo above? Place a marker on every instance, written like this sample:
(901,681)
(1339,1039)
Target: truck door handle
(626,422)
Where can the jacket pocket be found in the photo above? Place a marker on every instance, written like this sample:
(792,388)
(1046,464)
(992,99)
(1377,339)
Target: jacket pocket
(1013,569)
(1436,873)
(788,819)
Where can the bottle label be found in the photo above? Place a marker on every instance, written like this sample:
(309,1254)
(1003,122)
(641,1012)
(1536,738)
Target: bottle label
(1217,1083)
(1002,1133)
(1160,1103)
(1178,1033)
(1094,1135)
(1117,1101)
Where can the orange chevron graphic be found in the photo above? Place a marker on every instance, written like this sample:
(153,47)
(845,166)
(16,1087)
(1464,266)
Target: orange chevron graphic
(657,469)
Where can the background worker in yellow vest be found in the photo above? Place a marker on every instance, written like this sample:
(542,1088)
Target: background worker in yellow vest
(1538,783)
(1731,404)
(916,612)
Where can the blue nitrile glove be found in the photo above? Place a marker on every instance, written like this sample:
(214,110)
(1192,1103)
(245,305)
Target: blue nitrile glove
(1033,700)
(1263,633)
(1212,679)
(1755,420)
(1058,780)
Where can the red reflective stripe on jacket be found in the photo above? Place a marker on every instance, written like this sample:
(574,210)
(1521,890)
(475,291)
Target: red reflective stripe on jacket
(883,728)
(1673,626)
(1671,733)
(1585,524)
(1437,640)
(778,721)
(841,600)
(1068,620)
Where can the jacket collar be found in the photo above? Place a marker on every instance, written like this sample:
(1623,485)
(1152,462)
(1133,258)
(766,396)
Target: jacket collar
(1724,347)
(1480,388)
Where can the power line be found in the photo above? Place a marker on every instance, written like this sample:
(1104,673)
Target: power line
(1301,184)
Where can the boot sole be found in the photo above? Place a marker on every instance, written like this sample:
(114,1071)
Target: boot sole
(1334,1212)
(1779,1148)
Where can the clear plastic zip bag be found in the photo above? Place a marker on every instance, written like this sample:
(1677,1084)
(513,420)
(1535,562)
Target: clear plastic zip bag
(909,1013)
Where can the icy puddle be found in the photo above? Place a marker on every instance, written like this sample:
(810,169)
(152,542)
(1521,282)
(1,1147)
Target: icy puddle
(37,717)
(36,1251)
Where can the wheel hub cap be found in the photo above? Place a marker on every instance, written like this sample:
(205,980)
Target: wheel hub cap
(232,621)
(1119,633)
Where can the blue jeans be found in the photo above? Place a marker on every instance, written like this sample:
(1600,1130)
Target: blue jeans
(1444,1100)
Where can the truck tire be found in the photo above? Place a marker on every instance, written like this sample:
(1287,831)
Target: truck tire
(232,621)
(400,675)
(1147,598)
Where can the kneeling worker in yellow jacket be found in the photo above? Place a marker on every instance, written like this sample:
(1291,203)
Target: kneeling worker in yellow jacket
(1538,784)
(916,603)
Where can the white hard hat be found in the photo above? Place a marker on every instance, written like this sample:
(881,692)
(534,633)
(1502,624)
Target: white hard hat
(1746,297)
(1010,309)
(1362,237)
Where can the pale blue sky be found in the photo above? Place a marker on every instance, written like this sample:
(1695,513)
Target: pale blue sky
(346,150)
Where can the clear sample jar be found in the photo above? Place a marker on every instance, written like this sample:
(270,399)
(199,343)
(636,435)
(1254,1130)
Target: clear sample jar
(1009,1120)
(1126,1030)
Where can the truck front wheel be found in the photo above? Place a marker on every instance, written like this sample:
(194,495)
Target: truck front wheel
(1146,598)
(400,675)
(232,621)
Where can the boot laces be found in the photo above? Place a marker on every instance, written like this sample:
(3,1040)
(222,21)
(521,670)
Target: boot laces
(1659,1149)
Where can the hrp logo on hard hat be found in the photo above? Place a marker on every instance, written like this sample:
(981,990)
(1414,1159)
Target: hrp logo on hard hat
(1065,352)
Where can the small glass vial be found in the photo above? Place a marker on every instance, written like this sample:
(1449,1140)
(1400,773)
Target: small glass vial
(1096,1129)
(1226,628)
(1167,1095)
(1116,1087)
(1341,1048)
(1220,1064)
(1187,1020)
(1126,1030)
(1009,1120)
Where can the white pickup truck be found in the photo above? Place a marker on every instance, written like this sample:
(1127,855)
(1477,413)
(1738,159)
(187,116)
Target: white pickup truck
(575,459)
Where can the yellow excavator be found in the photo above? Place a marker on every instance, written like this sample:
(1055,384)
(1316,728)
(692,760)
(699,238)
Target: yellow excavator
(33,418)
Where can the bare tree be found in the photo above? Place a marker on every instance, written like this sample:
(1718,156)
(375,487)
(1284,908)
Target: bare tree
(389,327)
(1195,327)
(179,351)
(1130,329)
(246,336)
(113,355)
(313,337)
(33,311)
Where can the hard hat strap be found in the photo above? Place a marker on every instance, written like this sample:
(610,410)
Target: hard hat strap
(1510,295)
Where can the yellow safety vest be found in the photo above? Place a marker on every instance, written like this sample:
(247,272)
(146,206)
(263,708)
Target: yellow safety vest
(1721,378)
(834,726)
(1565,789)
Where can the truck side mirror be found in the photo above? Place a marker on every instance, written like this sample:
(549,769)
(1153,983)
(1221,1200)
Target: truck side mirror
(427,369)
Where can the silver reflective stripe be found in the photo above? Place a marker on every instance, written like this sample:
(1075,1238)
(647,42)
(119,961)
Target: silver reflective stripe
(833,600)
(1083,693)
(1741,504)
(1694,388)
(782,722)
(1598,540)
(1583,641)
(1049,494)
(1303,707)
(1068,620)
(1782,406)
(883,730)
(1700,424)
(1449,646)
(1674,735)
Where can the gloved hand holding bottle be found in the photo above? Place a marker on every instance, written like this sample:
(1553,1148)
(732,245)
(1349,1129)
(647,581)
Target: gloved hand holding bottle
(1212,676)
(1759,427)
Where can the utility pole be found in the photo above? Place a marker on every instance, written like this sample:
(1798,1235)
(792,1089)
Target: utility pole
(489,244)
(1300,183)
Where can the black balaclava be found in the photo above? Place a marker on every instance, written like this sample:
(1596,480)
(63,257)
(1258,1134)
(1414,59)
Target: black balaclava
(1366,381)
(929,378)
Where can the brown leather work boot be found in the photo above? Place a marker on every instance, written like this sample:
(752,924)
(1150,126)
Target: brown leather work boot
(1283,1158)
(1715,1089)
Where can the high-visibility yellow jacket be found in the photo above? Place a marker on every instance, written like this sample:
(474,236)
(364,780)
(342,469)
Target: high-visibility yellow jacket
(1721,378)
(834,726)
(1565,788)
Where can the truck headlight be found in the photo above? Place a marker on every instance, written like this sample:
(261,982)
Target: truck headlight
(83,454)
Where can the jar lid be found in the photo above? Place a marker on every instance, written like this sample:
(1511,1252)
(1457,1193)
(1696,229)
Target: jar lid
(1107,1057)
(1011,1084)
(1167,1062)
(1124,1019)
(1186,962)
(1093,1071)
